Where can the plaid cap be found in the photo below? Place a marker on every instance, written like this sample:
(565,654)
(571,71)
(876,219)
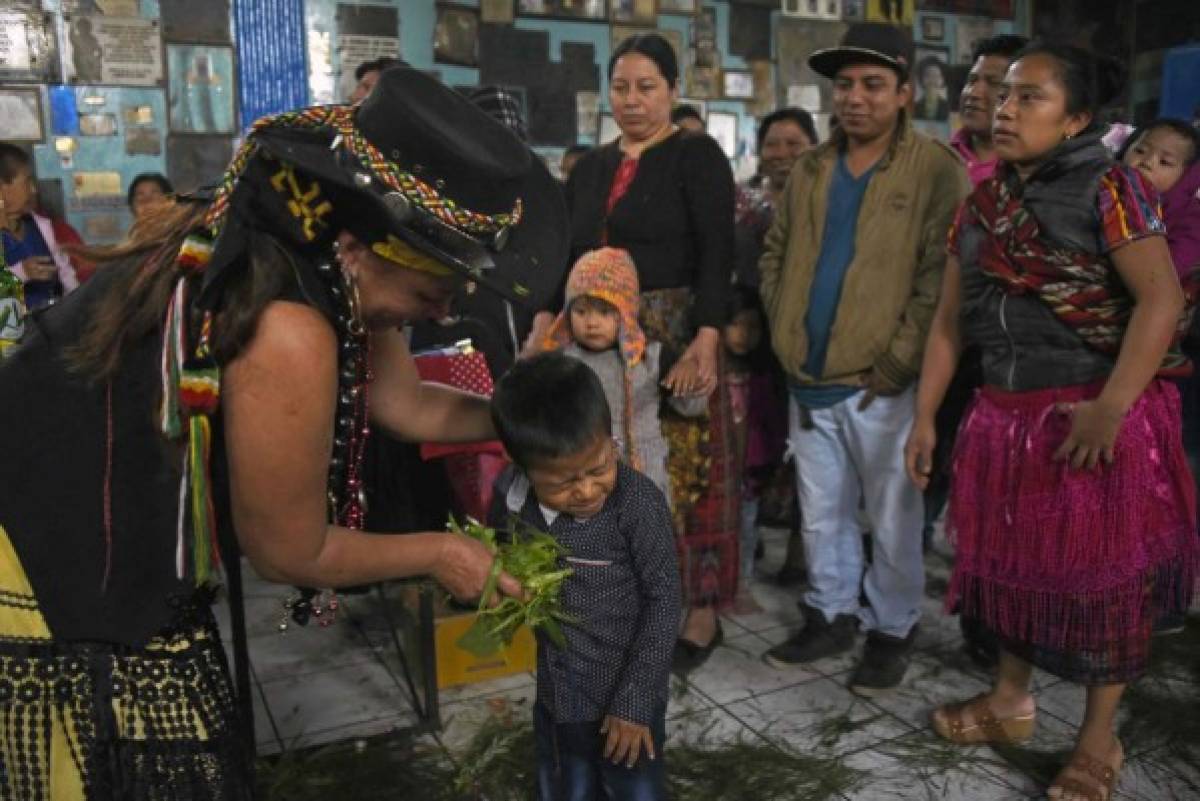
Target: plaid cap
(502,105)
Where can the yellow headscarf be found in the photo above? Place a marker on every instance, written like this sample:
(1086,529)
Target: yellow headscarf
(400,252)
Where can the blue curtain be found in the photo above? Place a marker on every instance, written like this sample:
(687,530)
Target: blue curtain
(272,73)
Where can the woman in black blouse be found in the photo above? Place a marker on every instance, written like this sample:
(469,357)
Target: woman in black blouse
(667,196)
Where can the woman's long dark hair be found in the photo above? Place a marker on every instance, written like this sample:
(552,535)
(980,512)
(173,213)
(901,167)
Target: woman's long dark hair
(135,302)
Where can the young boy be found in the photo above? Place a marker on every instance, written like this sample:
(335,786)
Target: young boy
(601,701)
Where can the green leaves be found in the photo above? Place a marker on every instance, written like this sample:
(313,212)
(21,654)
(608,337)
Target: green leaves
(532,558)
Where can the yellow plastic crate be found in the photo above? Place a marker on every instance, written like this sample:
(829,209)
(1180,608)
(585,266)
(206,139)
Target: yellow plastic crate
(456,666)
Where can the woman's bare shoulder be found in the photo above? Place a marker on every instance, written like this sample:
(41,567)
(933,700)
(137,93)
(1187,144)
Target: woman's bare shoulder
(291,339)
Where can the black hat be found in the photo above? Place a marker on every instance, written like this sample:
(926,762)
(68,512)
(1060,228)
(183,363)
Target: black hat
(866,43)
(416,161)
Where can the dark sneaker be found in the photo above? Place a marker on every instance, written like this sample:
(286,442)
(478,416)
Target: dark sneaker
(884,663)
(689,656)
(817,640)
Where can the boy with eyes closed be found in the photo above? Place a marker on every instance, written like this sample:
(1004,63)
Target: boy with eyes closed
(599,718)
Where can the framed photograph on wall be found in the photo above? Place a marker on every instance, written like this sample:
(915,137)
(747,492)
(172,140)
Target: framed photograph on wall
(932,83)
(970,31)
(933,28)
(703,36)
(496,10)
(97,123)
(723,126)
(804,9)
(200,89)
(586,10)
(633,12)
(794,40)
(678,6)
(737,85)
(704,82)
(762,73)
(456,36)
(21,110)
(186,21)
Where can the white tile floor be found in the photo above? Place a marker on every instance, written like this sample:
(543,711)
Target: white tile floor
(322,685)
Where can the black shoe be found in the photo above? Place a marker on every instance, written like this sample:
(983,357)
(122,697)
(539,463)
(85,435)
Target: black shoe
(817,640)
(688,655)
(790,576)
(884,663)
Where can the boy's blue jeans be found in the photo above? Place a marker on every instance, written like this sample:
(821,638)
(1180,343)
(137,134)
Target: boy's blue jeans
(571,764)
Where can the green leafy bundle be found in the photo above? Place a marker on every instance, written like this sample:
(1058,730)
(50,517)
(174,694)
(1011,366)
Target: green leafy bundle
(531,557)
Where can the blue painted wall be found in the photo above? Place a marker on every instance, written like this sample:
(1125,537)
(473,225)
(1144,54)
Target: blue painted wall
(102,153)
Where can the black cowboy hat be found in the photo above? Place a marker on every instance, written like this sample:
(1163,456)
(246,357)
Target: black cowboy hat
(415,160)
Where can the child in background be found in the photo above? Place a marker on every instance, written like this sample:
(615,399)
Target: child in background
(760,421)
(599,326)
(599,718)
(1167,152)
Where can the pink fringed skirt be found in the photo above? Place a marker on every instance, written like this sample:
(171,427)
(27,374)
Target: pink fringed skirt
(1071,568)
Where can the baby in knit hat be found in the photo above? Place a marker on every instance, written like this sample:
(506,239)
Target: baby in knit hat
(599,326)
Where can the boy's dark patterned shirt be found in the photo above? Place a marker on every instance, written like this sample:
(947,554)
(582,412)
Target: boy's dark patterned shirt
(624,593)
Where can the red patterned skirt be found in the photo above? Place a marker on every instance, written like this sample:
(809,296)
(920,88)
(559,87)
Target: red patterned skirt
(703,467)
(1071,568)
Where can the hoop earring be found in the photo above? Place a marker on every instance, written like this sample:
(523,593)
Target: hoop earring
(353,320)
(353,304)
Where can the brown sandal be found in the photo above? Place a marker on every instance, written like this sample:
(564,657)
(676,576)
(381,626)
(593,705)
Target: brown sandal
(1101,781)
(987,728)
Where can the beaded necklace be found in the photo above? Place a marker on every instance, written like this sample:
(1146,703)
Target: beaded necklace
(345,491)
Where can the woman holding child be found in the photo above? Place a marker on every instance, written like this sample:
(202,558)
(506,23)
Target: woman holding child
(666,196)
(1071,508)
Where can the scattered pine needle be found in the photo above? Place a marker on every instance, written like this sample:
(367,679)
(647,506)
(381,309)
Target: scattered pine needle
(498,764)
(754,770)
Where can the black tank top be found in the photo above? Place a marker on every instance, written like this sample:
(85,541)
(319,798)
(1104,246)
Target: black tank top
(55,457)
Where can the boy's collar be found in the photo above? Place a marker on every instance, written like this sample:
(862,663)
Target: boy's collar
(520,491)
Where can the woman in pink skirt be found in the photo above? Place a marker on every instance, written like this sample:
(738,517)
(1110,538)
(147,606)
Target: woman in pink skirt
(1072,510)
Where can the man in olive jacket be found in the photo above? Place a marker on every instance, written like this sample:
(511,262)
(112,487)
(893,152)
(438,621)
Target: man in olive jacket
(850,278)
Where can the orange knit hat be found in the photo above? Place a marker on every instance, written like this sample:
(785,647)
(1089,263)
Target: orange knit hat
(606,274)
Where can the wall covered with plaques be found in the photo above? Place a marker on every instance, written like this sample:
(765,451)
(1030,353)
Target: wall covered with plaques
(102,90)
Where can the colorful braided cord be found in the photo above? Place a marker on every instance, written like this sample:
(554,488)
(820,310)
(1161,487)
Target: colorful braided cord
(341,119)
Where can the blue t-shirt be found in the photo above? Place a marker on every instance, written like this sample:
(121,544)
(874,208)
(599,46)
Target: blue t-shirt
(837,251)
(32,244)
